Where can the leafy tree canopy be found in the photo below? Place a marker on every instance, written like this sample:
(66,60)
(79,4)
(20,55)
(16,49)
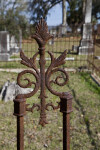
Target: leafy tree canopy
(12,16)
(75,12)
(96,9)
(40,8)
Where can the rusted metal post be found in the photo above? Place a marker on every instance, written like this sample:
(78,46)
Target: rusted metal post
(66,109)
(19,111)
(42,96)
(20,133)
(42,81)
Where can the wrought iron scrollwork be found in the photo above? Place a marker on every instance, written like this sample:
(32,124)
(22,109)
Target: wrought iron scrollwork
(31,63)
(53,68)
(43,78)
(42,35)
(51,105)
(38,106)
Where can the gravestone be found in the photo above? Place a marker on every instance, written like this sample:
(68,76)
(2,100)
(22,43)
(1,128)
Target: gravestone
(13,45)
(63,27)
(11,89)
(12,42)
(8,45)
(4,46)
(20,39)
(86,44)
(62,30)
(51,42)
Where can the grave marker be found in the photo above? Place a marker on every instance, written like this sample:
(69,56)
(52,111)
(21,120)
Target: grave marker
(86,44)
(4,46)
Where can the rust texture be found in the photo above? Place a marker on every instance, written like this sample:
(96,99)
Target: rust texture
(42,77)
(20,111)
(66,108)
(43,81)
(20,133)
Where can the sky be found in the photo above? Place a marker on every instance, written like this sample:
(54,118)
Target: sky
(54,16)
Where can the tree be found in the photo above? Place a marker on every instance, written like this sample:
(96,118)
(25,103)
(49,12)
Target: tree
(12,15)
(64,14)
(96,9)
(40,8)
(75,13)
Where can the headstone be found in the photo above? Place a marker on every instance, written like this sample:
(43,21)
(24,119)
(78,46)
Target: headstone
(3,90)
(64,18)
(12,42)
(10,90)
(8,46)
(4,46)
(20,39)
(88,11)
(4,42)
(86,44)
(62,30)
(75,49)
(53,30)
(13,45)
(51,42)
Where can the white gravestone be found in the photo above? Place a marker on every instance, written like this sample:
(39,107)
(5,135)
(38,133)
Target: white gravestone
(20,39)
(8,46)
(86,44)
(88,11)
(4,46)
(12,42)
(13,45)
(11,89)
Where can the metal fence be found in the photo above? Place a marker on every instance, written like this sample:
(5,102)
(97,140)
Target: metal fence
(94,59)
(70,41)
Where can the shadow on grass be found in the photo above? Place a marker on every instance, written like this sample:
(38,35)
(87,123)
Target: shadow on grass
(86,121)
(91,84)
(95,88)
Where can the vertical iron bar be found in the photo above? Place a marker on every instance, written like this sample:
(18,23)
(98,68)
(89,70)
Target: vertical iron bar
(66,109)
(20,133)
(66,131)
(42,94)
(20,111)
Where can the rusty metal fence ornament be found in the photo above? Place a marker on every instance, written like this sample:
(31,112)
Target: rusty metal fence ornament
(43,81)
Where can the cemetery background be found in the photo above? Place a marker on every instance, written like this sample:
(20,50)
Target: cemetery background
(85,130)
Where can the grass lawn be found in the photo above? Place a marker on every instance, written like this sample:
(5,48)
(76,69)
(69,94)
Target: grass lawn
(85,118)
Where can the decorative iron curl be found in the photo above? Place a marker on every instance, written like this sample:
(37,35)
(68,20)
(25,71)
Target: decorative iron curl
(53,68)
(48,82)
(32,108)
(28,84)
(43,78)
(53,107)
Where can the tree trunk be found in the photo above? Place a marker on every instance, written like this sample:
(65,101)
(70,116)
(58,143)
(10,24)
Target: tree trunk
(84,8)
(64,16)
